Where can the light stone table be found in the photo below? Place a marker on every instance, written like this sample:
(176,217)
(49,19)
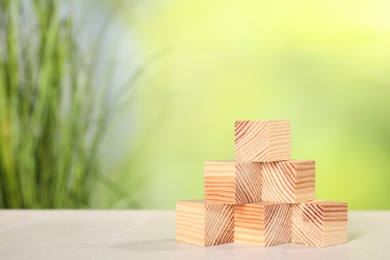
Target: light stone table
(70,234)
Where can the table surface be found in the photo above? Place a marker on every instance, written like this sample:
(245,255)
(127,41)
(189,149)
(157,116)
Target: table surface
(129,234)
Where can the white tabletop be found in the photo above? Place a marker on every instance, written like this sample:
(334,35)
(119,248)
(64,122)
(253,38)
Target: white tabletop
(130,234)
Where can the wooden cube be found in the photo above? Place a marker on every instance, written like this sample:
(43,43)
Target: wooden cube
(232,182)
(204,224)
(262,223)
(263,140)
(288,181)
(320,223)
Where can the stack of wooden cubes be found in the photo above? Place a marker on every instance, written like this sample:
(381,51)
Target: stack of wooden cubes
(262,198)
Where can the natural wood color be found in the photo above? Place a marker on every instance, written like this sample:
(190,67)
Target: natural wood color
(232,182)
(204,224)
(320,223)
(262,223)
(262,140)
(288,181)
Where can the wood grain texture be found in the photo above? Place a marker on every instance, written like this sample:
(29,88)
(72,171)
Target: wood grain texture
(262,140)
(204,224)
(288,181)
(232,182)
(262,223)
(320,223)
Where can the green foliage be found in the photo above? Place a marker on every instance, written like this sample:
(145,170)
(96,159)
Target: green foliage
(53,108)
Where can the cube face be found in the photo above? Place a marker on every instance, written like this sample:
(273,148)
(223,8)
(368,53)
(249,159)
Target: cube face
(288,181)
(219,224)
(262,140)
(320,223)
(190,222)
(203,224)
(232,182)
(248,182)
(219,181)
(263,223)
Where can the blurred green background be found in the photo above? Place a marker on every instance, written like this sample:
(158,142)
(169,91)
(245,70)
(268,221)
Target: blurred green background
(324,65)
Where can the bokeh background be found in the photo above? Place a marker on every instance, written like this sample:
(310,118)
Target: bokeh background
(324,65)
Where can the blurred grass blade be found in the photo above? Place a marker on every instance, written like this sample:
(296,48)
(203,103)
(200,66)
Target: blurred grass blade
(52,112)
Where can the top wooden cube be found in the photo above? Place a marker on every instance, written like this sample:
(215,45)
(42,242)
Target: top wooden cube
(262,140)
